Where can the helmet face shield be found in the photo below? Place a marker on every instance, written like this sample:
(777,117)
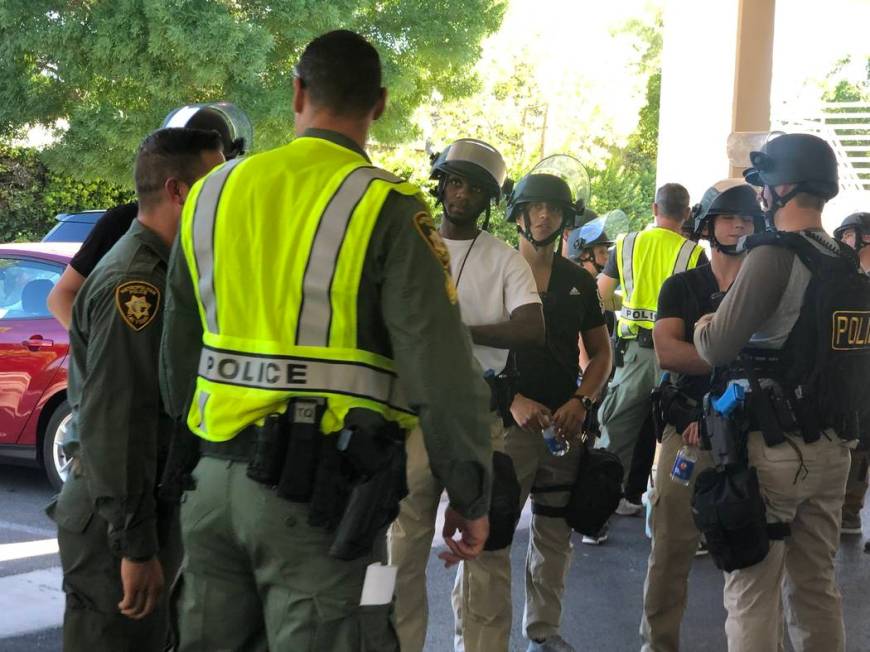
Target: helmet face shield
(226,118)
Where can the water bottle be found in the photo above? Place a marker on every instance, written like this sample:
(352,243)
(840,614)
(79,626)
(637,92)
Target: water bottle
(556,446)
(684,465)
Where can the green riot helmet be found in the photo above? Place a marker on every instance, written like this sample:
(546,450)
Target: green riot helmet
(726,197)
(804,160)
(225,118)
(860,223)
(560,180)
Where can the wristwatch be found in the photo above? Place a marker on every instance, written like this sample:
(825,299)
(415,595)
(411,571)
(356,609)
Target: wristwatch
(585,401)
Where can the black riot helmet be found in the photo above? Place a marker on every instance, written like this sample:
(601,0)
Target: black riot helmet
(726,197)
(225,118)
(860,223)
(560,180)
(804,160)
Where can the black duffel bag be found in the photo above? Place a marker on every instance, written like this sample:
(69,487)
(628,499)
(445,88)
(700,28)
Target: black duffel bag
(594,494)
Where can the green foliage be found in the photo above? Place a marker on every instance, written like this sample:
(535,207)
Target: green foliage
(31,195)
(113,70)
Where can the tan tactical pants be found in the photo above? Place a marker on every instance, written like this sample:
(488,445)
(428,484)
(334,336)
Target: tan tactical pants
(798,573)
(482,594)
(674,543)
(409,539)
(856,486)
(627,403)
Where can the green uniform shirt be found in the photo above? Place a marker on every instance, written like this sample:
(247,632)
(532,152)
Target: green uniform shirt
(113,387)
(407,311)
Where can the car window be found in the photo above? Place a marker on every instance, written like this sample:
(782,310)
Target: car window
(24,287)
(69,232)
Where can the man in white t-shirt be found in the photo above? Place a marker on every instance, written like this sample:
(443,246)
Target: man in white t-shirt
(501,306)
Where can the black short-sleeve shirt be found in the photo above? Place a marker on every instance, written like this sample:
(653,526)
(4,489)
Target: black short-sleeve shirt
(114,223)
(688,296)
(548,374)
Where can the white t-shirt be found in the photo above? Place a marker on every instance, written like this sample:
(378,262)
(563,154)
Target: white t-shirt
(495,281)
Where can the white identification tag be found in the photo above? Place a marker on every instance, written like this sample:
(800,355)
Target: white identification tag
(379,585)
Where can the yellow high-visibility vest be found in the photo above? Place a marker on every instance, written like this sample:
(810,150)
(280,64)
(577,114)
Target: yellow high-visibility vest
(275,244)
(645,259)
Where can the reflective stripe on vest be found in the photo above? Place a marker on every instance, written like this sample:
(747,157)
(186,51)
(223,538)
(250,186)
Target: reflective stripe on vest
(276,245)
(645,259)
(310,375)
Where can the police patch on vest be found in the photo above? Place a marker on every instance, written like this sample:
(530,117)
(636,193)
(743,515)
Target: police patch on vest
(850,330)
(138,303)
(426,228)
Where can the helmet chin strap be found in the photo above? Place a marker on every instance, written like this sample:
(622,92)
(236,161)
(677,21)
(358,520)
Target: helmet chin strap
(728,250)
(537,244)
(779,202)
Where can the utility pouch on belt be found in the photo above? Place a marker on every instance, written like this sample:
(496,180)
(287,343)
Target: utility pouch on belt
(504,506)
(269,448)
(672,406)
(729,511)
(645,338)
(619,346)
(302,450)
(182,458)
(765,408)
(594,494)
(374,468)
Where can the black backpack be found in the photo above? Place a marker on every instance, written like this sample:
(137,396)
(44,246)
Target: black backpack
(594,495)
(826,359)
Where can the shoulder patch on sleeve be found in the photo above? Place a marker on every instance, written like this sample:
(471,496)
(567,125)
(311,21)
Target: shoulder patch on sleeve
(138,303)
(426,228)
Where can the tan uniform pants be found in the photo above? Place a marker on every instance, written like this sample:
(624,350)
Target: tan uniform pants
(482,594)
(674,543)
(409,539)
(798,573)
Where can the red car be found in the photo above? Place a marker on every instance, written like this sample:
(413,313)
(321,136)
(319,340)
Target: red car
(34,413)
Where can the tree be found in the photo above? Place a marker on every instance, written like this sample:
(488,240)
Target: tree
(112,70)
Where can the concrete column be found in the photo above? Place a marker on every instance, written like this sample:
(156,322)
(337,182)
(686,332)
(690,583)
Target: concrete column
(752,69)
(716,68)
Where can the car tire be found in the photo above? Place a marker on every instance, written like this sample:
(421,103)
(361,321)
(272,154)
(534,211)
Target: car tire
(54,461)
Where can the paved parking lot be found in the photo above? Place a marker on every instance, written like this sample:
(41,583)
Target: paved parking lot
(602,606)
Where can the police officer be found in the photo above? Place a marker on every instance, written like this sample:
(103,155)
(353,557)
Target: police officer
(728,211)
(640,263)
(580,219)
(236,138)
(547,395)
(855,232)
(589,246)
(501,306)
(311,306)
(118,547)
(800,460)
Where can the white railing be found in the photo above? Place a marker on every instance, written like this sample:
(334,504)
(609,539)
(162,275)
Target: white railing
(845,125)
